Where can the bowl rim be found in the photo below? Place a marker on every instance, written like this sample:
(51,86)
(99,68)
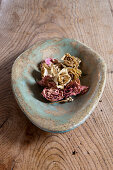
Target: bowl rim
(70,125)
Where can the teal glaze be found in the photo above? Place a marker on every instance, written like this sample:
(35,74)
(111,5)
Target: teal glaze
(59,114)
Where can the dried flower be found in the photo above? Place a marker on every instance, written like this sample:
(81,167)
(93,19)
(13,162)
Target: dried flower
(74,88)
(62,79)
(56,67)
(53,94)
(71,61)
(50,67)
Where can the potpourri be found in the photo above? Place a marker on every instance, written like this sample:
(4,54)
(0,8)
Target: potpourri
(61,80)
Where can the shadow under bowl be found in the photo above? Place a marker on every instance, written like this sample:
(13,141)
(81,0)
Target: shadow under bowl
(57,117)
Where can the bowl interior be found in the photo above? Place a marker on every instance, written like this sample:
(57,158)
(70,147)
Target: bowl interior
(57,117)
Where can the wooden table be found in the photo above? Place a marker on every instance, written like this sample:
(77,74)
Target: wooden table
(22,145)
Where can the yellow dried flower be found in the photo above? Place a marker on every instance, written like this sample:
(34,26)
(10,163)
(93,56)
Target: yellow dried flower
(71,61)
(62,78)
(51,70)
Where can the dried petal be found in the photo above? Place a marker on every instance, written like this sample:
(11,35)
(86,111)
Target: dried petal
(53,94)
(45,70)
(74,88)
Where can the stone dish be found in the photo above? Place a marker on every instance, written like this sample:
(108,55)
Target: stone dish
(57,117)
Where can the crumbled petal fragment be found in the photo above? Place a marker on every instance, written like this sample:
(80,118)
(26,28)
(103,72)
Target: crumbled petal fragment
(71,61)
(47,81)
(53,94)
(69,99)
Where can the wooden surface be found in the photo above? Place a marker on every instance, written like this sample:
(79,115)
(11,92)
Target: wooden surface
(22,145)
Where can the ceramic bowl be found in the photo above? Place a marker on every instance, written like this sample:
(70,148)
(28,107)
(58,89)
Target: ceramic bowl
(56,117)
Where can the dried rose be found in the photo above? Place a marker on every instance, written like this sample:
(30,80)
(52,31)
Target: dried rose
(50,69)
(59,64)
(62,79)
(74,73)
(74,88)
(53,94)
(47,81)
(69,89)
(56,67)
(71,61)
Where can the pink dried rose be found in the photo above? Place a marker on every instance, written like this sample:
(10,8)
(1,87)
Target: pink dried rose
(71,89)
(47,81)
(53,94)
(74,88)
(48,61)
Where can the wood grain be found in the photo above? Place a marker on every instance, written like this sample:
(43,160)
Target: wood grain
(22,145)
